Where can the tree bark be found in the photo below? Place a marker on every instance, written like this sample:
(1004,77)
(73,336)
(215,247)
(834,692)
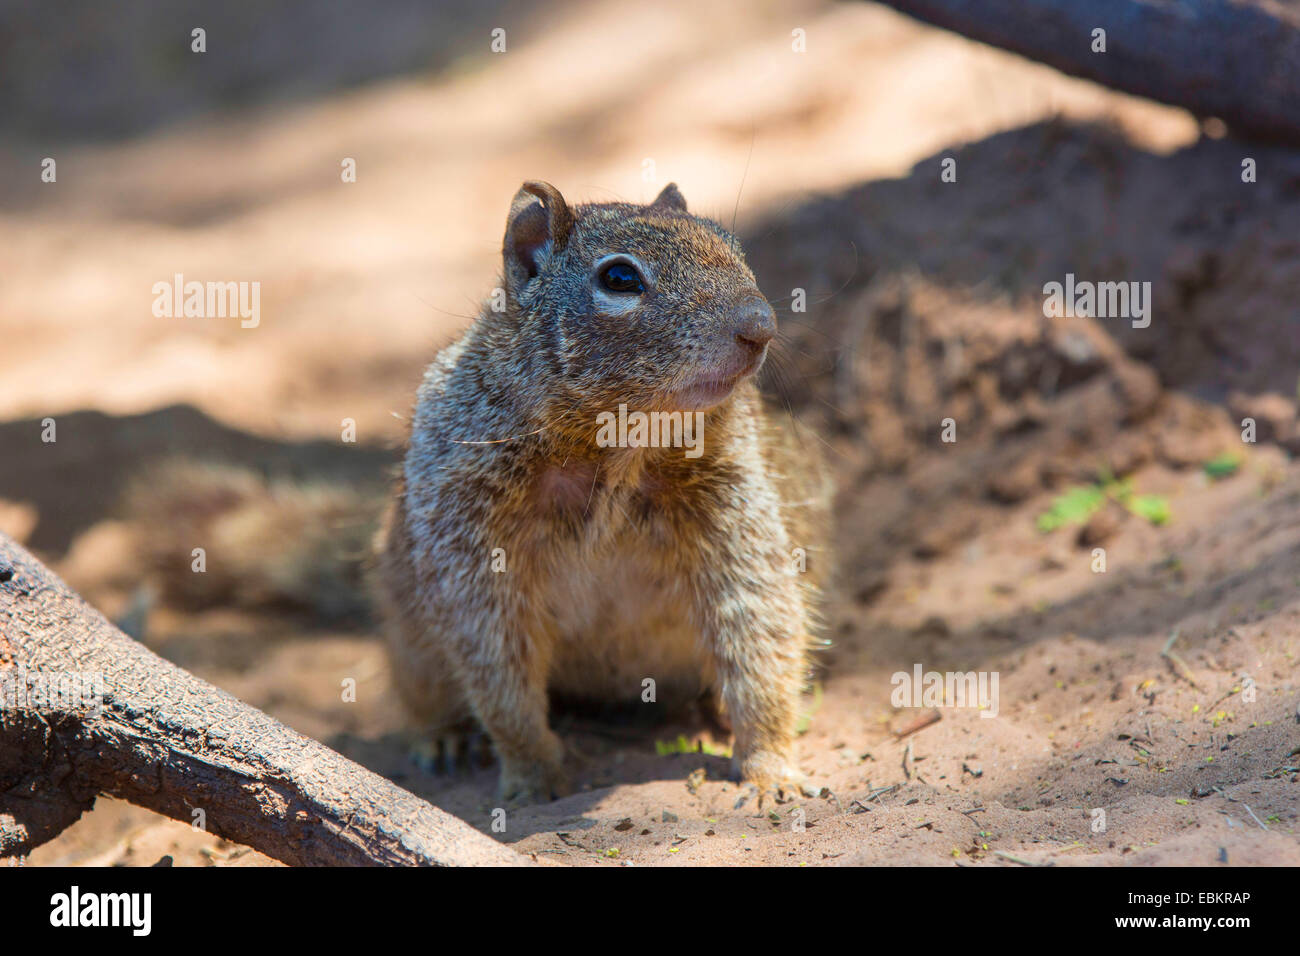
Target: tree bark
(155,735)
(1238,60)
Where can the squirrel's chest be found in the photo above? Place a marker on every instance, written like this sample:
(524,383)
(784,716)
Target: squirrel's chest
(612,554)
(616,596)
(620,618)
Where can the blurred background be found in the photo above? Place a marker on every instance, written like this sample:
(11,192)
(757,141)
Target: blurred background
(924,302)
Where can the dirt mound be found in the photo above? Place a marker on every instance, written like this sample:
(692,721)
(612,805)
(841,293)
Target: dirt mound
(925,351)
(1051,200)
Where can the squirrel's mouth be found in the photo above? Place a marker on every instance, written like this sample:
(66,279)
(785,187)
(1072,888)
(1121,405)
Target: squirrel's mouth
(705,391)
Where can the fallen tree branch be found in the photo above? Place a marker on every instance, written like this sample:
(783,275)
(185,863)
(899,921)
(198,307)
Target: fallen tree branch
(1238,60)
(85,710)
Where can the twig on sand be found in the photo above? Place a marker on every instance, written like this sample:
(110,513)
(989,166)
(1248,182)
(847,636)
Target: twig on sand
(878,792)
(1253,817)
(1021,860)
(907,761)
(873,794)
(925,720)
(1180,666)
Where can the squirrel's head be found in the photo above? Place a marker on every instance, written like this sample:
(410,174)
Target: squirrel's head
(645,305)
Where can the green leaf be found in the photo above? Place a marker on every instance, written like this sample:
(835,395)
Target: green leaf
(666,748)
(1074,507)
(805,719)
(1223,466)
(1155,508)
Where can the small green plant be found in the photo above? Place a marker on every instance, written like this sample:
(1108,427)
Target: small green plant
(1074,507)
(805,719)
(666,748)
(1079,503)
(1155,508)
(1223,466)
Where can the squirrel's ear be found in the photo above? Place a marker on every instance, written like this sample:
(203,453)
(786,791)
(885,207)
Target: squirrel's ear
(537,228)
(671,198)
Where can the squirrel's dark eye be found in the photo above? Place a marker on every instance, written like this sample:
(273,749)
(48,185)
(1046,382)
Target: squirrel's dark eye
(621,277)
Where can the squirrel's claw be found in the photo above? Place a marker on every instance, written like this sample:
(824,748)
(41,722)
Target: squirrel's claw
(769,775)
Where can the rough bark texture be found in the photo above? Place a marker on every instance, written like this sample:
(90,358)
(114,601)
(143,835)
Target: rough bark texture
(1238,60)
(164,739)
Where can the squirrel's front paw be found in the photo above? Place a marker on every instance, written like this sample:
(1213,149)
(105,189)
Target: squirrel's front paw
(769,773)
(532,781)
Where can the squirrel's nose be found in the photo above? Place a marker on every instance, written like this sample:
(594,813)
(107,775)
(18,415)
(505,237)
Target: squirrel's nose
(755,324)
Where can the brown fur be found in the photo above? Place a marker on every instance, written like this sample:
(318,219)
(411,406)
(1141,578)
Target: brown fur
(620,563)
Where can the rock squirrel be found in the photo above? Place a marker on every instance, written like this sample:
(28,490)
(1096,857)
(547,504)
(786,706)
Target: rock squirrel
(594,496)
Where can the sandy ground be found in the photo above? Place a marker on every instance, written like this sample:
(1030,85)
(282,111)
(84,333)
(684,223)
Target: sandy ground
(1147,713)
